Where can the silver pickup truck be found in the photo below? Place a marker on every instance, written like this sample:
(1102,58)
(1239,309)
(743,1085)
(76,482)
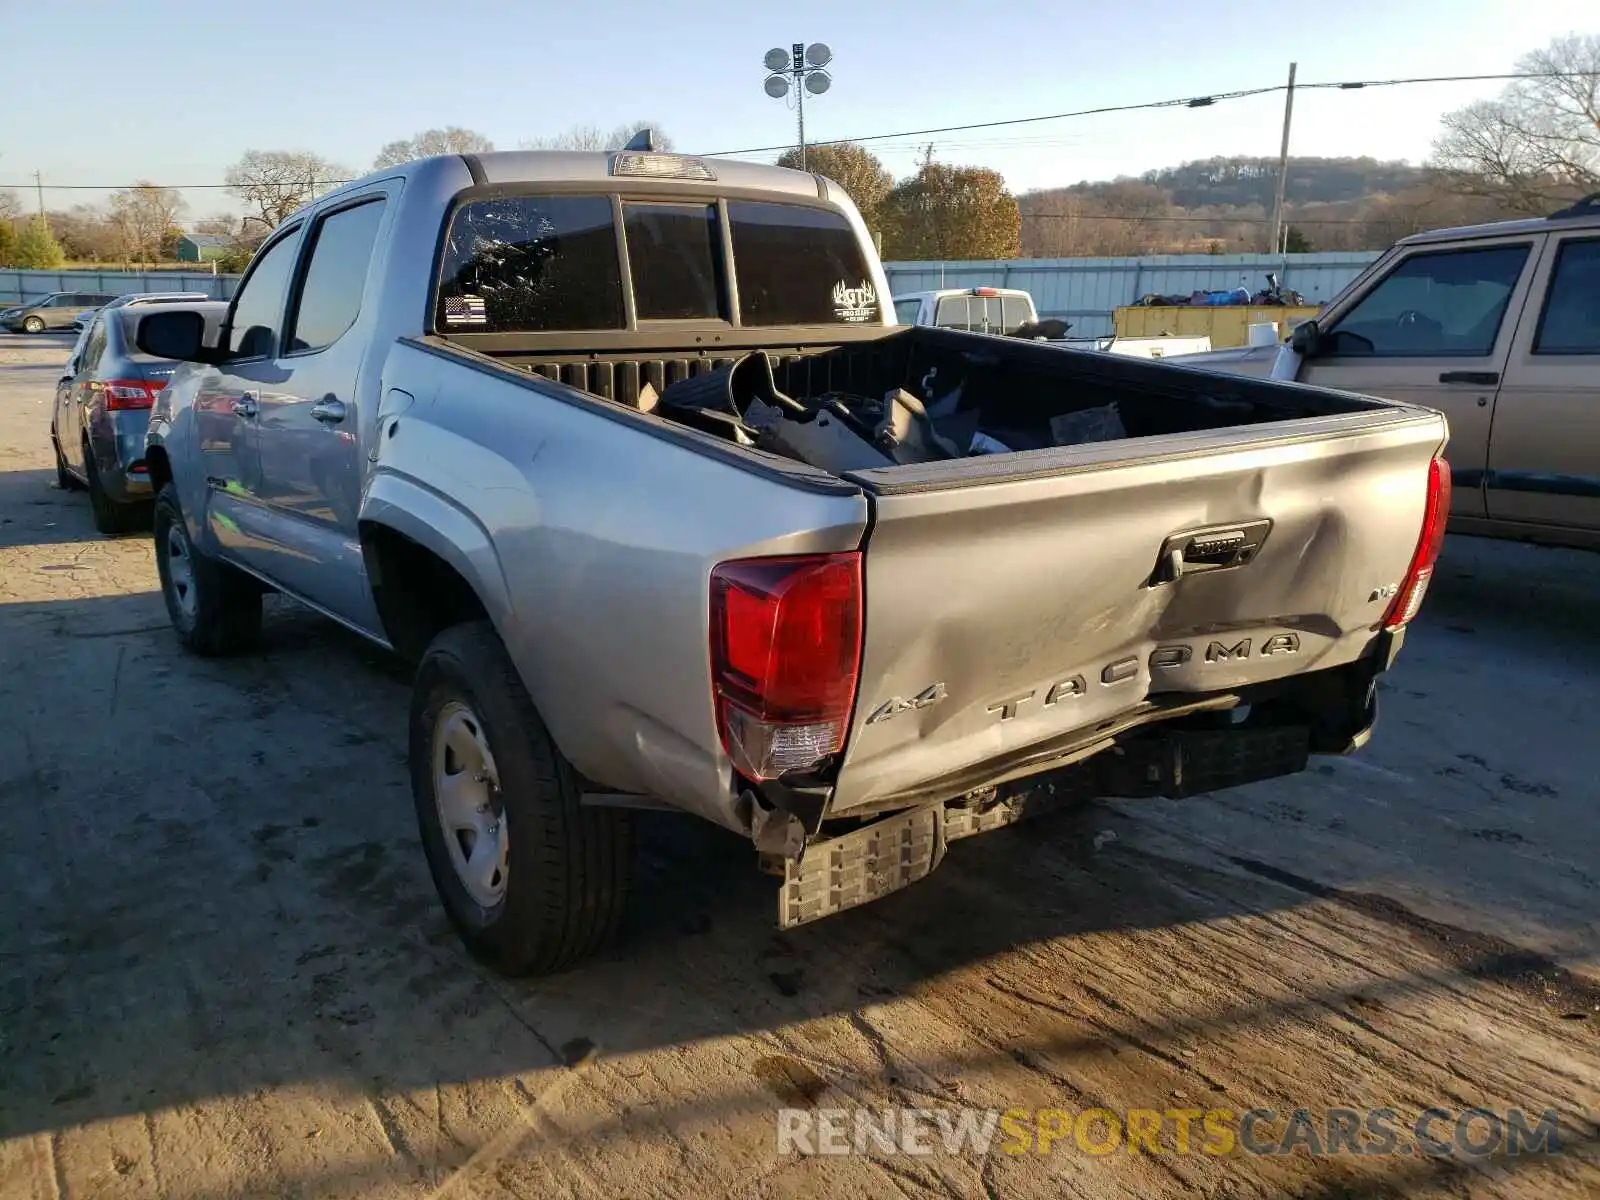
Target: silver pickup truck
(625,451)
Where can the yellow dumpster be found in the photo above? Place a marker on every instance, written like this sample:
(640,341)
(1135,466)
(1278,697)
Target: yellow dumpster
(1225,324)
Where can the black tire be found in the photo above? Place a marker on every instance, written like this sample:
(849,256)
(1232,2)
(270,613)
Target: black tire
(225,616)
(110,518)
(33,325)
(65,479)
(567,866)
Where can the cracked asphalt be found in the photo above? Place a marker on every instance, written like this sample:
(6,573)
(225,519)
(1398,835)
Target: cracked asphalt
(223,971)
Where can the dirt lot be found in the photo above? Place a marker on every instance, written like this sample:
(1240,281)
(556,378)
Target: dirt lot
(223,971)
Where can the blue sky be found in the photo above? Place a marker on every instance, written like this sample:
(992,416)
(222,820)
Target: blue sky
(341,77)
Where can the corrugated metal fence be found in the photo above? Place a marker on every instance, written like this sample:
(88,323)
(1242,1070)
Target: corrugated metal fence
(23,287)
(1084,291)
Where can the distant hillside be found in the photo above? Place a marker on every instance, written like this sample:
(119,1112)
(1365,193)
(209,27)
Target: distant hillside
(1246,181)
(1224,205)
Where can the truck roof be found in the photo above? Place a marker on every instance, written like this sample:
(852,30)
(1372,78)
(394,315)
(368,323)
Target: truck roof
(568,166)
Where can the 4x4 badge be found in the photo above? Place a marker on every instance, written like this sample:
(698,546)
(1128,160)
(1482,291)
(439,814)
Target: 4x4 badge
(926,698)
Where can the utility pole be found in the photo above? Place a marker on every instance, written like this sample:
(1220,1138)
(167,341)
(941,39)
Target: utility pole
(38,183)
(1283,166)
(799,68)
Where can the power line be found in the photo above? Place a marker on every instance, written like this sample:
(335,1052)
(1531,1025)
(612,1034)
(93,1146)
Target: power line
(1205,101)
(1177,102)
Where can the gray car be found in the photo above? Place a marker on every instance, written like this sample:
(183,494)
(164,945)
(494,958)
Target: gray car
(102,408)
(82,320)
(55,311)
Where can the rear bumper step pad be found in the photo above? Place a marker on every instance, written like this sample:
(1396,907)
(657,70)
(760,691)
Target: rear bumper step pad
(838,873)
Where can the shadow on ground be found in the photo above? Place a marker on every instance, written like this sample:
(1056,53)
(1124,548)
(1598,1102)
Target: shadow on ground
(211,885)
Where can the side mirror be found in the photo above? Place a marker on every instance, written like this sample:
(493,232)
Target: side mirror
(177,334)
(1305,337)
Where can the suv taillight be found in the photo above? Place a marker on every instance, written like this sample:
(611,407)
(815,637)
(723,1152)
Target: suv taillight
(1435,515)
(130,393)
(785,653)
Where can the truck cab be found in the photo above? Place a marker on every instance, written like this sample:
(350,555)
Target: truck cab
(974,309)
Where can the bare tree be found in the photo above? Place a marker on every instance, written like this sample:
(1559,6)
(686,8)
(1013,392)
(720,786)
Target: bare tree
(591,137)
(1538,145)
(143,214)
(10,210)
(450,140)
(276,182)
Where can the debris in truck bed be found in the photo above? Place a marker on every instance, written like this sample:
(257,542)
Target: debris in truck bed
(1103,424)
(824,441)
(907,432)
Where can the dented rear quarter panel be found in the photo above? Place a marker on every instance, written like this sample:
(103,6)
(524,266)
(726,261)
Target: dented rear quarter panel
(592,536)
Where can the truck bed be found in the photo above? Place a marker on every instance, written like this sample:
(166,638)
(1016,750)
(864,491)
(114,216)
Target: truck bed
(1022,608)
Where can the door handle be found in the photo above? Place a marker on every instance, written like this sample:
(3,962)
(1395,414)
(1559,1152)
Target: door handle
(329,412)
(1216,549)
(247,406)
(1481,378)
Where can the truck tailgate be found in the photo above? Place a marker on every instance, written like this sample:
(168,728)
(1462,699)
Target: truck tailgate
(1015,600)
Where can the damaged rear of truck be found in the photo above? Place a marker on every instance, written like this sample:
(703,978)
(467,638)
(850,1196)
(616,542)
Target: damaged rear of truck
(673,516)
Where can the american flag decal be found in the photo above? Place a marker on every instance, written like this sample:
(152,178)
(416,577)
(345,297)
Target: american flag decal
(465,310)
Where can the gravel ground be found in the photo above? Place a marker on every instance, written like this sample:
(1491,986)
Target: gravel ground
(223,971)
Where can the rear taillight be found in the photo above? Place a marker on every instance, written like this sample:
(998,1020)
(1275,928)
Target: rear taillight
(130,393)
(1435,515)
(785,652)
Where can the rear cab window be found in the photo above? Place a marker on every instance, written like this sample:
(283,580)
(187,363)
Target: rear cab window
(555,263)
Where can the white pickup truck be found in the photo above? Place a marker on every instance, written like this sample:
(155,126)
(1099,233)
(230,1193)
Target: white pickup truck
(1010,312)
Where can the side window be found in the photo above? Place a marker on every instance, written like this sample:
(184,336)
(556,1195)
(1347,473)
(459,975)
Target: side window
(1447,303)
(1570,323)
(258,308)
(1015,310)
(905,311)
(952,313)
(330,295)
(95,347)
(64,300)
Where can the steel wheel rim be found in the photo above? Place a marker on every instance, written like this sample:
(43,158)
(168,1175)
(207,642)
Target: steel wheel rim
(180,572)
(466,784)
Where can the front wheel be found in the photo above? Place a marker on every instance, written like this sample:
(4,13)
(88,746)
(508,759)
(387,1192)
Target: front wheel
(33,325)
(531,880)
(215,608)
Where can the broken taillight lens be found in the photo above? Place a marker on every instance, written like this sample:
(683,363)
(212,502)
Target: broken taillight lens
(785,654)
(1435,516)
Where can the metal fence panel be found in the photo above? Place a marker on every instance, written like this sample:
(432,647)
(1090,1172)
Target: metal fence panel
(24,287)
(1084,291)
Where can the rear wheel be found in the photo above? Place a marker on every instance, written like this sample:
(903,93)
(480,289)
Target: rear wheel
(65,480)
(110,518)
(531,880)
(215,608)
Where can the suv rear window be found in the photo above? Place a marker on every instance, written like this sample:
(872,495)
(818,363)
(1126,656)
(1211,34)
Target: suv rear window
(537,264)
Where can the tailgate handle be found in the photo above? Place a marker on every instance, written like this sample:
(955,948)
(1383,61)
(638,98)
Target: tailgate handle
(1481,378)
(1218,548)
